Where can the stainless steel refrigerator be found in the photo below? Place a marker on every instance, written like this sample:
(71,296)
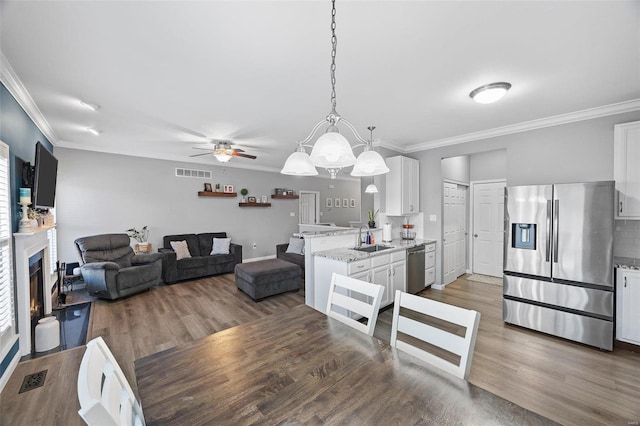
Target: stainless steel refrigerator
(558,260)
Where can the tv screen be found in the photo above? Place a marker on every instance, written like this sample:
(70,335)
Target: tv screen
(44,184)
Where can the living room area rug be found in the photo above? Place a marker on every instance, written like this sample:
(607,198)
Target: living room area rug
(485,279)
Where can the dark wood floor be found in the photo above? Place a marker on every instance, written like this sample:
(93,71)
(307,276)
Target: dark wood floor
(567,382)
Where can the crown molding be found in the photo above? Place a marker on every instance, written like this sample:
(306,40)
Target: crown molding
(177,158)
(556,120)
(13,84)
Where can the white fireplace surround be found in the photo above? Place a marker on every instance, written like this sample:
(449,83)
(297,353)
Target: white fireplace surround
(27,244)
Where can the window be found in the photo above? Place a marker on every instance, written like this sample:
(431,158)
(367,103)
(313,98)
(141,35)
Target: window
(7,317)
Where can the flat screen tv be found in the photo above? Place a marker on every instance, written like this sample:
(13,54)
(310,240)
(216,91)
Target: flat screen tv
(44,183)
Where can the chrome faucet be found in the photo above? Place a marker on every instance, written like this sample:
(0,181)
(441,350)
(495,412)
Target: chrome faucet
(360,234)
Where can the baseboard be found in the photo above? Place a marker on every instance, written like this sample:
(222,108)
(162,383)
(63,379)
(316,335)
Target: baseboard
(255,259)
(438,286)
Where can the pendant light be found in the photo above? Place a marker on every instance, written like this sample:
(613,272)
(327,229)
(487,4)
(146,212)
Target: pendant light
(331,150)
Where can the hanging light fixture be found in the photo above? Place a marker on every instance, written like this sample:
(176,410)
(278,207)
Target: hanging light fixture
(371,188)
(331,150)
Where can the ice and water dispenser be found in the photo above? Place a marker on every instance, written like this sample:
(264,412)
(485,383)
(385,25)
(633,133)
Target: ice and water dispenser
(523,236)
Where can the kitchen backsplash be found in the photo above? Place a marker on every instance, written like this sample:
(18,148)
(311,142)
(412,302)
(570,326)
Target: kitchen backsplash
(627,239)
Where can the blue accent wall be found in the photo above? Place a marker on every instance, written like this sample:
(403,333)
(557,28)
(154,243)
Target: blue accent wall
(21,134)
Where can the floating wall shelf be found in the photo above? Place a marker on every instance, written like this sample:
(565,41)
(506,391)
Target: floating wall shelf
(217,194)
(254,204)
(285,197)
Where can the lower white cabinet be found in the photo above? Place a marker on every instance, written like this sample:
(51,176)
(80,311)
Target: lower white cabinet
(627,306)
(430,264)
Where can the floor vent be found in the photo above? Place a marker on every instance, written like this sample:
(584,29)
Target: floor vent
(203,174)
(33,381)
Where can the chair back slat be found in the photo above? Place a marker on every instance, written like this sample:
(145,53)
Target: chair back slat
(105,396)
(438,337)
(350,307)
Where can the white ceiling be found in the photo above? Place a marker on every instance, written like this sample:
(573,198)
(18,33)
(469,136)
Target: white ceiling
(169,75)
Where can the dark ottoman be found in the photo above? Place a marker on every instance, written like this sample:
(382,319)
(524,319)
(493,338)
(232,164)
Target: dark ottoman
(266,278)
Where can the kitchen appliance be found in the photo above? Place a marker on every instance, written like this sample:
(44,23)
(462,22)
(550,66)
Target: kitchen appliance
(558,260)
(415,269)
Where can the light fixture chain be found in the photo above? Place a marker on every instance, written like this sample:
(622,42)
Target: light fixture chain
(334,44)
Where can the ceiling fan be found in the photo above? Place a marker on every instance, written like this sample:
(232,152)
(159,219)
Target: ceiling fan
(223,151)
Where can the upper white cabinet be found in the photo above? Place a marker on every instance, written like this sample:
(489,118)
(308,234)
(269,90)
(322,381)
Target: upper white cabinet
(402,186)
(626,169)
(627,302)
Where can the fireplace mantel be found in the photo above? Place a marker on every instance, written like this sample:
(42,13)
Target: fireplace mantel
(25,245)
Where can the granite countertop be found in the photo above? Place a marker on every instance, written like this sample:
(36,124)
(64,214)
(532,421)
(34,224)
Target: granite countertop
(626,263)
(348,254)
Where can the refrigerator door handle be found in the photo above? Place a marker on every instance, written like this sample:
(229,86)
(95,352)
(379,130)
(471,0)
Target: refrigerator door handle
(556,214)
(548,241)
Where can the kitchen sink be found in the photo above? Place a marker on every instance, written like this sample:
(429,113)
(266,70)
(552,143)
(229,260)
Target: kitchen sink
(373,248)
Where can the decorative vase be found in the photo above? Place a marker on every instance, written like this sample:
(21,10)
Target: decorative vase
(372,224)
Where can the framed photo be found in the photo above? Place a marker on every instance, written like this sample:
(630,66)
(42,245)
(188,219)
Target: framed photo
(353,203)
(329,203)
(264,198)
(207,187)
(228,189)
(345,203)
(336,203)
(251,199)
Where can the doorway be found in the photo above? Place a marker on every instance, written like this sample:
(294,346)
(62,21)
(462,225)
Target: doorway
(309,207)
(454,230)
(488,227)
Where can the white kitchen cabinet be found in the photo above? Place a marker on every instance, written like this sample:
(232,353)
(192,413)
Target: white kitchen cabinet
(626,169)
(430,264)
(627,306)
(402,186)
(398,279)
(380,274)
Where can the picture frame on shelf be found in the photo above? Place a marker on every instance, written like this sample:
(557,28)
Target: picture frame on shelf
(208,187)
(336,203)
(251,199)
(228,189)
(345,203)
(264,199)
(329,203)
(353,203)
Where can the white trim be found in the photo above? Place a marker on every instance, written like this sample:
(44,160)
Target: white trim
(471,213)
(13,84)
(556,120)
(12,365)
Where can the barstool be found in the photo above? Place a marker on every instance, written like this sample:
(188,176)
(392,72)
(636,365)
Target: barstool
(47,334)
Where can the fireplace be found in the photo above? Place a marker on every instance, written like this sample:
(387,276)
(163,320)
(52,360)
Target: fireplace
(33,295)
(36,294)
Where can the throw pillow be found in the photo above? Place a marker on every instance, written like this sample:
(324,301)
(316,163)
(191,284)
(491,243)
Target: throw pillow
(181,248)
(220,246)
(296,246)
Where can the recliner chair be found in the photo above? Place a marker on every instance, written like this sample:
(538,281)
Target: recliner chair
(111,270)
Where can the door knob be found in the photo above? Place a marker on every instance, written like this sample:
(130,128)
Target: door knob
(475,235)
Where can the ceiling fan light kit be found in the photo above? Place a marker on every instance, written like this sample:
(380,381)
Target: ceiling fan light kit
(331,150)
(490,93)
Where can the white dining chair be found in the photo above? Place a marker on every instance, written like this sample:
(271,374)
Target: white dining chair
(461,346)
(351,296)
(106,398)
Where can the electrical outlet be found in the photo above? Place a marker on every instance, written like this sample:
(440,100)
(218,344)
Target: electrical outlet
(255,245)
(292,214)
(433,218)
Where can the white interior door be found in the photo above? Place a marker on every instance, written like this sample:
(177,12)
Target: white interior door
(454,259)
(309,207)
(488,228)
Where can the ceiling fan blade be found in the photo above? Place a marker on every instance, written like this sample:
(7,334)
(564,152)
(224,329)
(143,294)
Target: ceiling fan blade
(237,154)
(200,155)
(202,149)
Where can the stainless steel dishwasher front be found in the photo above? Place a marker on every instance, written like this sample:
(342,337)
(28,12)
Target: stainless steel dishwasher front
(415,269)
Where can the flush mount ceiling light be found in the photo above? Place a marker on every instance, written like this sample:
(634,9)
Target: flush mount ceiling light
(94,131)
(332,151)
(490,93)
(90,106)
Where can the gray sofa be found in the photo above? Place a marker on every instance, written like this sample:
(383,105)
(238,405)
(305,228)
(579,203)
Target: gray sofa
(297,259)
(111,270)
(201,263)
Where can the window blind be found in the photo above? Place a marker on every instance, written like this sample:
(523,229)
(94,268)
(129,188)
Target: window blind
(7,317)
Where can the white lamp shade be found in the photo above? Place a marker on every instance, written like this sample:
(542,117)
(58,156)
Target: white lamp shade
(332,150)
(223,158)
(371,189)
(369,163)
(299,164)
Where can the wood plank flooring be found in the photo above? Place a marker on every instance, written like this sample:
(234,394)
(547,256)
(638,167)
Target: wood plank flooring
(566,382)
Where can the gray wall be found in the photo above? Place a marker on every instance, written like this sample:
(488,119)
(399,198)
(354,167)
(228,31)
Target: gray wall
(104,193)
(456,168)
(490,165)
(575,152)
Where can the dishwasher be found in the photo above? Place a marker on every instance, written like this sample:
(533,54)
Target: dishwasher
(415,269)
